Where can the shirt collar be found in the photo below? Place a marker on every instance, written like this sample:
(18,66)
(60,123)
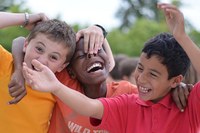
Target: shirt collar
(166,102)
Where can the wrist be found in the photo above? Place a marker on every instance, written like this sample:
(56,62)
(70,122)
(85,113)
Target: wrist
(26,20)
(56,90)
(103,30)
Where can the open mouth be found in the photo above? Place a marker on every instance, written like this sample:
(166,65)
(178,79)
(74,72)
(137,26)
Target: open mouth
(33,68)
(144,90)
(95,67)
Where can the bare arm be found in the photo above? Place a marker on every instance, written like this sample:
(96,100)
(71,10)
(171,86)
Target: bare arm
(110,54)
(16,86)
(79,102)
(191,49)
(44,80)
(17,52)
(175,22)
(14,19)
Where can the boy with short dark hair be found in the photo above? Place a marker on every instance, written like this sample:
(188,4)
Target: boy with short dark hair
(156,74)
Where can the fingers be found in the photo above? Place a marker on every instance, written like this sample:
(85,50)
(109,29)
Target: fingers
(18,98)
(98,43)
(168,8)
(16,90)
(43,17)
(93,39)
(27,74)
(37,65)
(182,97)
(91,44)
(190,87)
(177,100)
(86,43)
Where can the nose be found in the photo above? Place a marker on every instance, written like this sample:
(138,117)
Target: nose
(43,59)
(142,78)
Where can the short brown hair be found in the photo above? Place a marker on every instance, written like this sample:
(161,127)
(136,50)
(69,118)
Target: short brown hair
(58,31)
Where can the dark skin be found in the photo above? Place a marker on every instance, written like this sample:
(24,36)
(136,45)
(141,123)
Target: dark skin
(90,70)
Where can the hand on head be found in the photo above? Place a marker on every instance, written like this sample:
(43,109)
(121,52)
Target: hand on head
(93,39)
(34,19)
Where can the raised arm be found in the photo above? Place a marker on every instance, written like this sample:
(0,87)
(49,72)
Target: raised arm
(14,19)
(110,54)
(44,80)
(175,22)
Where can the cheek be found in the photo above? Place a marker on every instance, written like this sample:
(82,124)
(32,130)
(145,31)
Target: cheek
(135,75)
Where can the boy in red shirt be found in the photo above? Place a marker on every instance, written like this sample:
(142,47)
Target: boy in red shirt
(161,67)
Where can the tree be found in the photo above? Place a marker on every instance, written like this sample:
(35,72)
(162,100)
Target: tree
(5,4)
(8,34)
(132,41)
(131,10)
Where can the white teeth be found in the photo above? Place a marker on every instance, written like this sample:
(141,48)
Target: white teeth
(144,89)
(93,66)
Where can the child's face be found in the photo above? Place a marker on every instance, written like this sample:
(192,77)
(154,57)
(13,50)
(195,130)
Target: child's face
(152,79)
(91,70)
(52,54)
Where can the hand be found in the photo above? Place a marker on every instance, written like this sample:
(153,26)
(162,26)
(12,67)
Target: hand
(16,87)
(93,39)
(174,19)
(35,18)
(180,95)
(41,79)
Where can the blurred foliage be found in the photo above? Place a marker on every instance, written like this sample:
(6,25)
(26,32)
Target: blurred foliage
(131,42)
(8,34)
(131,10)
(145,21)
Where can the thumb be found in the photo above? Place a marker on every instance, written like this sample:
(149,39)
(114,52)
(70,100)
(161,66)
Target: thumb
(37,65)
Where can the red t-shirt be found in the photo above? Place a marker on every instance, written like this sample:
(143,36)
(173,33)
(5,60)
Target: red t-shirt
(65,120)
(129,114)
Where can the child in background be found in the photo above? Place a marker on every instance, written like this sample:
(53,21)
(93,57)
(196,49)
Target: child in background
(127,68)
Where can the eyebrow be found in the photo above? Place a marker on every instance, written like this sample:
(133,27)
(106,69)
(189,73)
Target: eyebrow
(155,71)
(150,69)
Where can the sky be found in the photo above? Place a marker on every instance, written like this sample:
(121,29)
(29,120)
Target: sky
(99,11)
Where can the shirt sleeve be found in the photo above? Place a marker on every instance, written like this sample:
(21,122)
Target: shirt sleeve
(115,113)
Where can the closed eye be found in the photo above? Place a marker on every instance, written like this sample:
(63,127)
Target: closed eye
(153,75)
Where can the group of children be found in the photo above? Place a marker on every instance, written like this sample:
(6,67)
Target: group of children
(82,99)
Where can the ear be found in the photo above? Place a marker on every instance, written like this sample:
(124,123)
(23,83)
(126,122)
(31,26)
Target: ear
(176,80)
(63,66)
(25,45)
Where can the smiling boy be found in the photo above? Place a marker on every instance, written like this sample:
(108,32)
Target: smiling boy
(162,65)
(53,43)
